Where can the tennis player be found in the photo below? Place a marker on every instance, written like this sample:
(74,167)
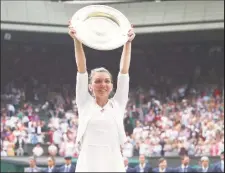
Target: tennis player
(101,131)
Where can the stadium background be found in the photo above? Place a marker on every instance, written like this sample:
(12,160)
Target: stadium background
(171,37)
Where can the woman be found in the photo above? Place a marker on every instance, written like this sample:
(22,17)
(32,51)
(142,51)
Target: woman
(101,131)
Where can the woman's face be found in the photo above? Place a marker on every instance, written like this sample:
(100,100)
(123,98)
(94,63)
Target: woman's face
(101,85)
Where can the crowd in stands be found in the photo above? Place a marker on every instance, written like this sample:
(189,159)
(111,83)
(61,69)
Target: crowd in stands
(188,121)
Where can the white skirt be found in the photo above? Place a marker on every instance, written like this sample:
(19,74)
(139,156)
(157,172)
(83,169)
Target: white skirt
(99,159)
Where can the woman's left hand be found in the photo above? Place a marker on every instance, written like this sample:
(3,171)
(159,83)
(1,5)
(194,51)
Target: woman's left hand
(131,34)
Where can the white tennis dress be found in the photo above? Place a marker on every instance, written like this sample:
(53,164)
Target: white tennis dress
(100,129)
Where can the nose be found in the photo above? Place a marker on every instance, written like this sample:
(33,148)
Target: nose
(103,84)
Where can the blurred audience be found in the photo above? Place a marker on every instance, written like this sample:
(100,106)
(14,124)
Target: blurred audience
(194,125)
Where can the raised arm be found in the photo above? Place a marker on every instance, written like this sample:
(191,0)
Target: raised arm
(121,95)
(80,56)
(125,58)
(82,93)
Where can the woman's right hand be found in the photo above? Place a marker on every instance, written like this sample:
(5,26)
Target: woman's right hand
(72,31)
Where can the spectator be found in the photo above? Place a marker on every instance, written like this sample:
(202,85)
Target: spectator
(68,167)
(51,165)
(20,146)
(57,137)
(11,148)
(143,166)
(127,167)
(70,147)
(128,149)
(32,166)
(3,153)
(185,160)
(162,166)
(52,150)
(219,167)
(38,150)
(205,166)
(136,149)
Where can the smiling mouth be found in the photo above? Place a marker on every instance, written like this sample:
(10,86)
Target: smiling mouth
(102,90)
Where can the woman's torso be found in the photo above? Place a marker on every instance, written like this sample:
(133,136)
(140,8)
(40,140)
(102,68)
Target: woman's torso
(102,127)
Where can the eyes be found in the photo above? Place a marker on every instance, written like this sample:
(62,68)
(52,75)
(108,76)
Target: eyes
(98,81)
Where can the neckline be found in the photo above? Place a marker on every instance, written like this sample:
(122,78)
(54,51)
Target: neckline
(101,106)
(105,106)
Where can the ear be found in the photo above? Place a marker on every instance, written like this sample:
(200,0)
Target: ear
(111,88)
(90,88)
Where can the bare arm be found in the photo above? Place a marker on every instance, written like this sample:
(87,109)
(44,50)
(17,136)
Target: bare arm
(121,95)
(82,93)
(80,56)
(125,58)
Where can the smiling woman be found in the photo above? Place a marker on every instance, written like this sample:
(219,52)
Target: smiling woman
(101,132)
(101,79)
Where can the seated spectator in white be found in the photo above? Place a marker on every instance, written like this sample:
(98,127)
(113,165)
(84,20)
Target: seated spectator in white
(11,109)
(137,130)
(128,149)
(64,126)
(64,137)
(16,132)
(57,137)
(5,144)
(25,119)
(40,138)
(11,122)
(52,150)
(38,150)
(156,149)
(144,149)
(3,153)
(55,122)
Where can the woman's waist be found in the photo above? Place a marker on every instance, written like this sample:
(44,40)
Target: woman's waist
(100,139)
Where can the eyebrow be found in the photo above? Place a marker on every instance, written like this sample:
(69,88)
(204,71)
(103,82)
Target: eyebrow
(102,79)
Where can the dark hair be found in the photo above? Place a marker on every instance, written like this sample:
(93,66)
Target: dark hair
(183,157)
